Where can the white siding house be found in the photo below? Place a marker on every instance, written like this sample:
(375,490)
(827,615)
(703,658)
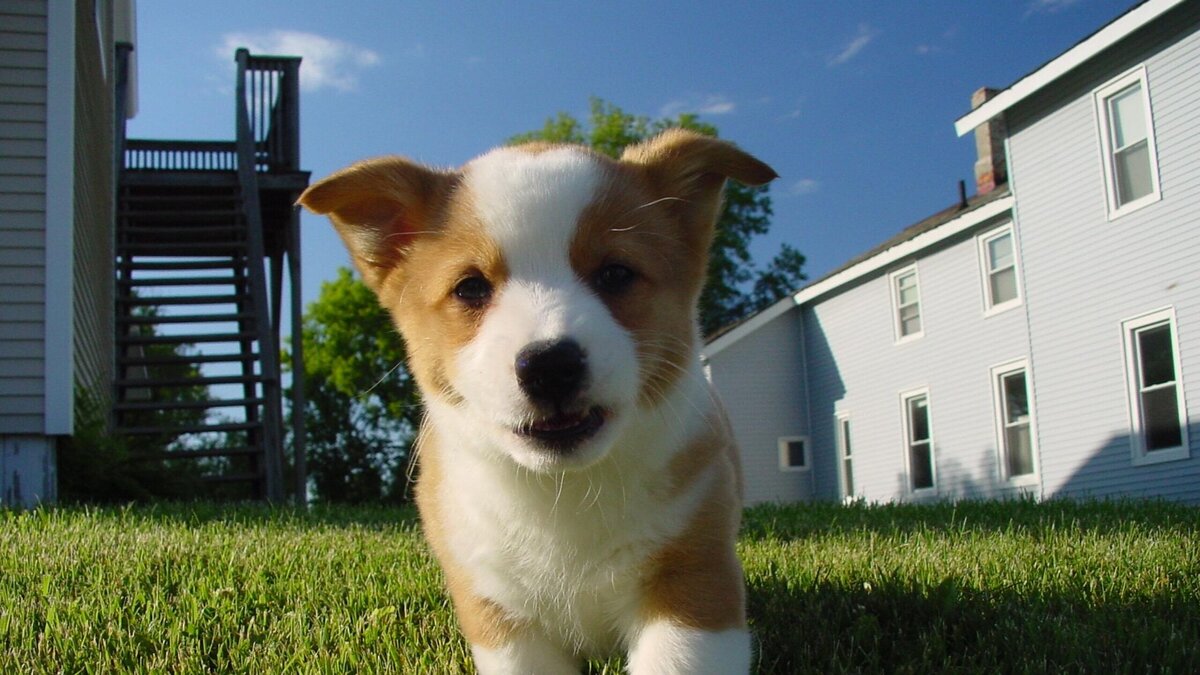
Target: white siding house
(57,71)
(1042,338)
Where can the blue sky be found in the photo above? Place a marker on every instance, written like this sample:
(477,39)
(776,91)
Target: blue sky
(852,102)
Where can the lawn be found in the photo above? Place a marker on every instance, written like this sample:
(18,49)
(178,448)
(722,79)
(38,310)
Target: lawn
(973,587)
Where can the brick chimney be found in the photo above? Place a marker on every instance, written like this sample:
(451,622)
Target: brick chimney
(990,167)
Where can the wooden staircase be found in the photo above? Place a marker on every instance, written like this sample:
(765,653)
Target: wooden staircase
(204,232)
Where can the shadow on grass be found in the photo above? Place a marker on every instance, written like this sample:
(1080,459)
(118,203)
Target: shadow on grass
(894,626)
(798,521)
(253,514)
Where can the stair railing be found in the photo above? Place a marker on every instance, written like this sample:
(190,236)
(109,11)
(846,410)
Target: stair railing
(249,160)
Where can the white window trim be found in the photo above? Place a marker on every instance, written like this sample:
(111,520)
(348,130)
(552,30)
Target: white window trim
(1100,96)
(985,271)
(905,397)
(998,372)
(839,419)
(1138,453)
(895,292)
(783,453)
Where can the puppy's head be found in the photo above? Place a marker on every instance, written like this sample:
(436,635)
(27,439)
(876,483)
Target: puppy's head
(544,292)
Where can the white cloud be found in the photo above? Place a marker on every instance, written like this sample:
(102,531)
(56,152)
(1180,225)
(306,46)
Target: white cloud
(859,42)
(1049,6)
(327,62)
(711,104)
(804,186)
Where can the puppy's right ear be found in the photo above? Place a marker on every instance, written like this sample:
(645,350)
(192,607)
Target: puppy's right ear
(379,206)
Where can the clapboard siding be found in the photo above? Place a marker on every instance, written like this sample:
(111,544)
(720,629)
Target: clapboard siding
(1086,274)
(765,409)
(94,216)
(22,214)
(856,367)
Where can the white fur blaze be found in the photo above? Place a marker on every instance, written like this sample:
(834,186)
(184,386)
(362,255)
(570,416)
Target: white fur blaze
(663,648)
(524,656)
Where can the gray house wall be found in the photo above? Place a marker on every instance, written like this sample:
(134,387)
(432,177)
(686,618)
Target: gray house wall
(763,408)
(94,196)
(1086,274)
(857,367)
(22,215)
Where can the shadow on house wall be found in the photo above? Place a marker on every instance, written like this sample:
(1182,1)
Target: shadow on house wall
(824,388)
(1109,473)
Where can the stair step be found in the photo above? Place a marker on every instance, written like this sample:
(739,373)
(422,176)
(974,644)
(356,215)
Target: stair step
(186,339)
(181,281)
(181,196)
(185,318)
(233,478)
(189,428)
(208,231)
(179,248)
(144,383)
(179,214)
(186,405)
(186,359)
(186,299)
(226,263)
(194,454)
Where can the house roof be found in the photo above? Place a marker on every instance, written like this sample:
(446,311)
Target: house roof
(1112,32)
(909,241)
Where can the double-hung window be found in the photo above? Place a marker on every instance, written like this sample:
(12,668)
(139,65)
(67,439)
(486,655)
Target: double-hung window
(1127,143)
(845,454)
(906,303)
(918,442)
(1014,426)
(1157,413)
(998,260)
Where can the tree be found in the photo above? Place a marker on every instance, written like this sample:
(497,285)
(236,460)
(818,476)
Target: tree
(362,409)
(735,287)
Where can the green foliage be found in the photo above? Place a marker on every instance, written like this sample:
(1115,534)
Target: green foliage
(362,407)
(735,287)
(1007,587)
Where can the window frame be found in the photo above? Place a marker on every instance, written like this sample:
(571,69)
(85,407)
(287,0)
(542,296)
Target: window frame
(1130,328)
(998,373)
(784,464)
(905,398)
(897,323)
(1101,97)
(990,307)
(841,422)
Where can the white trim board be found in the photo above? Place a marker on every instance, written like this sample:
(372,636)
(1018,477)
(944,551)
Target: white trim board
(59,369)
(875,263)
(1064,63)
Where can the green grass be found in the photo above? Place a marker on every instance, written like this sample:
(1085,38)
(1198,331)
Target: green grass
(973,587)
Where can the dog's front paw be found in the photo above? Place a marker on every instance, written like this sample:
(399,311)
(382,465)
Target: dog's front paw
(664,648)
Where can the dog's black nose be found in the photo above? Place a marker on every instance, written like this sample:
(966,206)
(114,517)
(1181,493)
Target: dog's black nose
(552,372)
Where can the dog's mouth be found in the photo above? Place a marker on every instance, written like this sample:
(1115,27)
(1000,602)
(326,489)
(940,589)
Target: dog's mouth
(564,431)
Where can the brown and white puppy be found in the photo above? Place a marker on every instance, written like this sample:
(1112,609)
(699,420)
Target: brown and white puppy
(577,479)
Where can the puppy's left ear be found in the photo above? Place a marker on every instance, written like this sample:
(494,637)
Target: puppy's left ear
(692,168)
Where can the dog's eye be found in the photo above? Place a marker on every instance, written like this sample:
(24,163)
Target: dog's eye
(613,279)
(473,291)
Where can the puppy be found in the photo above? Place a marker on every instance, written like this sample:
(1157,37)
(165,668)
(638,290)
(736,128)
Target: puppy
(578,482)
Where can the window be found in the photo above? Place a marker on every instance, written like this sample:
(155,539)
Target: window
(998,258)
(1159,420)
(793,453)
(1014,414)
(842,433)
(918,441)
(906,301)
(1127,143)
